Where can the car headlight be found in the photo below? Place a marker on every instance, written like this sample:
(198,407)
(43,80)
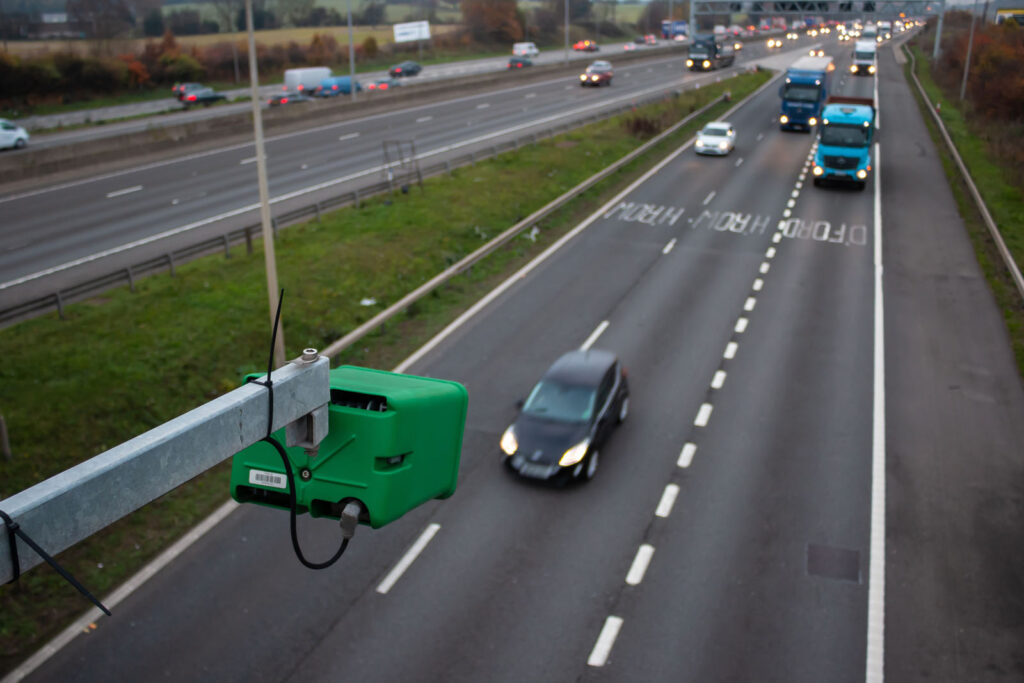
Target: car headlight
(508,442)
(818,170)
(689,62)
(583,77)
(871,69)
(705,64)
(853,68)
(723,146)
(594,78)
(862,174)
(783,119)
(812,121)
(574,454)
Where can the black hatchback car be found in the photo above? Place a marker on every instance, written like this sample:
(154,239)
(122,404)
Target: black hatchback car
(404,69)
(567,418)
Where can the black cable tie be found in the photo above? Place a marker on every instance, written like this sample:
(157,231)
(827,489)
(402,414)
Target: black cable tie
(14,528)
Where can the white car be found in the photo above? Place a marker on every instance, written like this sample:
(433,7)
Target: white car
(718,137)
(12,135)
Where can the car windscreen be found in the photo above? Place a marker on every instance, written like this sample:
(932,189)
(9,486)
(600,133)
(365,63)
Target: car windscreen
(864,56)
(715,131)
(842,135)
(556,400)
(800,92)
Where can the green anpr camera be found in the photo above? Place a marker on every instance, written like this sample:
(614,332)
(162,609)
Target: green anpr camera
(393,442)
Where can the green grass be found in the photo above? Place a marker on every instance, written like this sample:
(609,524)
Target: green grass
(1005,201)
(125,362)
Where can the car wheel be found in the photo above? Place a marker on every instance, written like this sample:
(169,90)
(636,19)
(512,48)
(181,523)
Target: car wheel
(592,462)
(624,409)
(19,143)
(817,182)
(860,185)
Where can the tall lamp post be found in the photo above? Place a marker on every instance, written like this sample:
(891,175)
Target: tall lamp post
(261,175)
(351,55)
(566,3)
(970,46)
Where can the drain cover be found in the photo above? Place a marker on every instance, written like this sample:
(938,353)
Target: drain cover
(833,563)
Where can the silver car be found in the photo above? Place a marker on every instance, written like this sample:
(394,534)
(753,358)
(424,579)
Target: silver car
(12,135)
(717,137)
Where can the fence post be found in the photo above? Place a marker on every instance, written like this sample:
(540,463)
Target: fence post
(317,206)
(131,278)
(170,261)
(227,246)
(60,304)
(355,198)
(248,240)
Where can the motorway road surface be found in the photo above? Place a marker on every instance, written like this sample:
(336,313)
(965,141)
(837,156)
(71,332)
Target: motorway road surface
(762,388)
(57,236)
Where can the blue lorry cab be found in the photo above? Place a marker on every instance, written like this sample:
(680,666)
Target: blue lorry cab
(804,92)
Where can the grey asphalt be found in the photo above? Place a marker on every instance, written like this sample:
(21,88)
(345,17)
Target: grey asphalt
(51,236)
(760,571)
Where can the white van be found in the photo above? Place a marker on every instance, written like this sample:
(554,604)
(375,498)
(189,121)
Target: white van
(864,58)
(305,80)
(525,50)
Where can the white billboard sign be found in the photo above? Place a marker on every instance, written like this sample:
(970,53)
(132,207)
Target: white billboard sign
(413,30)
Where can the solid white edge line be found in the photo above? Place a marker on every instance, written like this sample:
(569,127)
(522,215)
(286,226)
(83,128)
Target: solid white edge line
(875,667)
(598,331)
(703,415)
(640,563)
(410,556)
(668,499)
(114,599)
(603,646)
(686,455)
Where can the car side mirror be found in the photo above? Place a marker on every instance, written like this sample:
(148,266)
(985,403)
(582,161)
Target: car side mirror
(520,403)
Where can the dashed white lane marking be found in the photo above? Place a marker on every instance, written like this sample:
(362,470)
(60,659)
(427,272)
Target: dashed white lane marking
(749,304)
(718,381)
(598,331)
(703,415)
(250,160)
(794,194)
(424,119)
(730,350)
(304,167)
(739,161)
(765,268)
(741,326)
(483,105)
(791,203)
(669,246)
(770,253)
(347,136)
(799,183)
(127,190)
(640,563)
(760,136)
(174,202)
(410,556)
(603,646)
(529,95)
(777,237)
(568,87)
(686,456)
(758,284)
(668,499)
(708,199)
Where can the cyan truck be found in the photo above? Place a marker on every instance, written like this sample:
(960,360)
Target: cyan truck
(804,92)
(844,141)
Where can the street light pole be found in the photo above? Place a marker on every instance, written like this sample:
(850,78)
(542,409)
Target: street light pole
(970,46)
(351,55)
(566,3)
(261,175)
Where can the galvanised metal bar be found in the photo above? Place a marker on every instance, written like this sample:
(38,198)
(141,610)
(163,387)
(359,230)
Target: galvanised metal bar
(73,505)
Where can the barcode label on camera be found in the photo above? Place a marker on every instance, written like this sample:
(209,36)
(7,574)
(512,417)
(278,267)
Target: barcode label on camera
(261,478)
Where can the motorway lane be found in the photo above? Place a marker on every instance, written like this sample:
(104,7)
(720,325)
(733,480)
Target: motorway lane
(45,229)
(539,537)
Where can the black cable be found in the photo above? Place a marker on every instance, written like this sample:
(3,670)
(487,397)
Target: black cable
(14,528)
(269,438)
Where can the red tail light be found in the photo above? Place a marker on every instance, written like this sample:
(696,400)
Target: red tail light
(334,87)
(284,100)
(191,98)
(383,86)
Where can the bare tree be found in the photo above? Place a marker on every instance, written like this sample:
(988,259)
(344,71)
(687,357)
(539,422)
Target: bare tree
(226,11)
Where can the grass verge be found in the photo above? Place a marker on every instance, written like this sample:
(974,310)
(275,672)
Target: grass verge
(1004,200)
(124,363)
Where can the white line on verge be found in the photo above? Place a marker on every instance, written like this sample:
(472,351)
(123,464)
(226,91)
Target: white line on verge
(668,247)
(668,499)
(483,105)
(874,672)
(640,563)
(347,136)
(603,646)
(250,160)
(598,331)
(686,455)
(410,556)
(127,190)
(424,119)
